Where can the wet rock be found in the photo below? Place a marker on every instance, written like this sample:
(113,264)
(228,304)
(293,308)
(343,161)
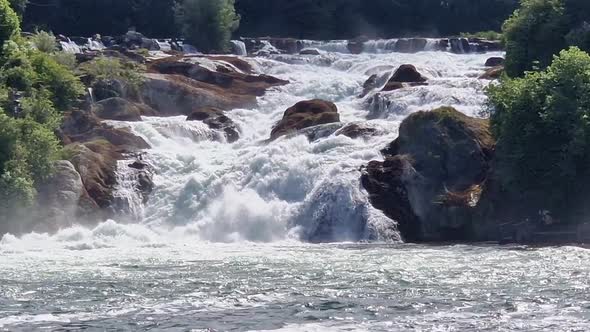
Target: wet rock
(492,73)
(58,198)
(309,51)
(432,175)
(215,119)
(356,130)
(306,114)
(370,84)
(494,62)
(120,109)
(405,76)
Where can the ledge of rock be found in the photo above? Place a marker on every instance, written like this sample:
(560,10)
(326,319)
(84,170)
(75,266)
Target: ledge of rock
(433,175)
(356,130)
(306,114)
(216,120)
(120,109)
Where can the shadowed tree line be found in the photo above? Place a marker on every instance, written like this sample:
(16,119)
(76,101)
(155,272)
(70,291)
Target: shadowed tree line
(320,19)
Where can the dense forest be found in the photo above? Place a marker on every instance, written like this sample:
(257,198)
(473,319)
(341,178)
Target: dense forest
(319,19)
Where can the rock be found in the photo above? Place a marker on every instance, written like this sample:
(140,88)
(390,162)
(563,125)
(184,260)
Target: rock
(81,127)
(215,119)
(310,51)
(432,176)
(492,73)
(96,162)
(58,198)
(178,85)
(177,95)
(494,61)
(370,84)
(120,109)
(357,46)
(355,130)
(405,76)
(306,114)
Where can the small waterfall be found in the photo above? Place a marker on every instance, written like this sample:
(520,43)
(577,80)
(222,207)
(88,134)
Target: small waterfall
(70,47)
(239,47)
(127,196)
(95,45)
(164,45)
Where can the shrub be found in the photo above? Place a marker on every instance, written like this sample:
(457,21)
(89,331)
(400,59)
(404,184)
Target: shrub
(66,59)
(44,41)
(542,124)
(105,69)
(208,24)
(489,35)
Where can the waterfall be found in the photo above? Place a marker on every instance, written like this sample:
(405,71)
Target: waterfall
(239,47)
(127,196)
(70,47)
(95,45)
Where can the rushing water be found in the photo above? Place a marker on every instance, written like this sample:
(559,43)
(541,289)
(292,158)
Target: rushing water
(220,246)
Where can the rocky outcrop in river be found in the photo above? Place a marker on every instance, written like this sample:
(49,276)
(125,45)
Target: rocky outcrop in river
(433,176)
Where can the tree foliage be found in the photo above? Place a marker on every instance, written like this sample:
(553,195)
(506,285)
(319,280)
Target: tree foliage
(542,123)
(208,24)
(9,22)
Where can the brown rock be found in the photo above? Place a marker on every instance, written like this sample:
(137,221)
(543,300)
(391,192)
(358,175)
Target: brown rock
(306,114)
(492,73)
(120,109)
(494,61)
(355,130)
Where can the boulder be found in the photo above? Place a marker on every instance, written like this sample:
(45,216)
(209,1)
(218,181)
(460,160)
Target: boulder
(492,73)
(405,76)
(356,130)
(370,84)
(216,120)
(432,176)
(120,109)
(412,45)
(494,61)
(306,114)
(58,198)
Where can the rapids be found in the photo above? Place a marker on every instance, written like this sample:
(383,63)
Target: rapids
(222,242)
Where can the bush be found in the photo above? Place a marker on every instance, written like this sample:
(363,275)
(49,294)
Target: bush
(44,41)
(542,124)
(66,59)
(489,35)
(105,69)
(208,24)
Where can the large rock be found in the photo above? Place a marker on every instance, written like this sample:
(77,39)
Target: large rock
(405,76)
(433,175)
(215,119)
(306,114)
(59,197)
(412,45)
(493,73)
(494,61)
(120,109)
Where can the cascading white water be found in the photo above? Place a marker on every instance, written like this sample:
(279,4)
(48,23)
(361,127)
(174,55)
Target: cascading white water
(257,191)
(70,47)
(239,47)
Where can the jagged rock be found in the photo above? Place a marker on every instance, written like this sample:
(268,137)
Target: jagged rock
(355,130)
(215,119)
(405,76)
(432,175)
(306,114)
(120,109)
(370,84)
(492,73)
(494,61)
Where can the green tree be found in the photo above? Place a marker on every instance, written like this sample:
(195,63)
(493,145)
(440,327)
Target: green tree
(533,34)
(208,24)
(542,124)
(9,22)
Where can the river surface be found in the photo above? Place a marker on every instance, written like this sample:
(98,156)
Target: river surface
(221,244)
